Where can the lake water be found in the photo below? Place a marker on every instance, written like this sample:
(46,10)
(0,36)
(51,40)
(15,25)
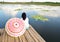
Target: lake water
(49,30)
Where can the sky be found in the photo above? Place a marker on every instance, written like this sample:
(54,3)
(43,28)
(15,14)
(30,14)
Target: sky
(30,0)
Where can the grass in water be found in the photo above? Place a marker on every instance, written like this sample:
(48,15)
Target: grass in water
(46,10)
(17,9)
(34,3)
(39,17)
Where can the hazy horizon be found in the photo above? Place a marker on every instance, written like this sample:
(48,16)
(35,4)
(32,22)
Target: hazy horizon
(30,0)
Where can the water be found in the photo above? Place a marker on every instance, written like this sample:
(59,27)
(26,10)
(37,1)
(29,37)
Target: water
(49,30)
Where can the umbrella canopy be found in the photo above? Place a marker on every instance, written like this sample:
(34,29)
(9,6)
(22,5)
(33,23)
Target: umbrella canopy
(15,27)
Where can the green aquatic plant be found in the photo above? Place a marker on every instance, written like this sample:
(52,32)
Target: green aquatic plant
(34,3)
(46,10)
(39,17)
(17,9)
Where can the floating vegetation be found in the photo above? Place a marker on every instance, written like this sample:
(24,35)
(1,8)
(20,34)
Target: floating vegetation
(18,9)
(46,10)
(34,3)
(39,17)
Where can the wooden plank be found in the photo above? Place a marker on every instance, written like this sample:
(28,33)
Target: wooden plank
(10,39)
(16,39)
(23,38)
(33,35)
(0,38)
(20,39)
(28,37)
(3,36)
(37,35)
(0,35)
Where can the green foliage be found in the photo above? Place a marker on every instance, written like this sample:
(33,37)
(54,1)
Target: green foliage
(46,10)
(34,3)
(17,9)
(39,17)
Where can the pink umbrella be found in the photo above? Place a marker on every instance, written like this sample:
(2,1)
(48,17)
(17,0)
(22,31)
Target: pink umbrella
(15,27)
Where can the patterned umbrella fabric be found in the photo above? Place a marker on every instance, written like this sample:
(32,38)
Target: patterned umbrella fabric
(15,27)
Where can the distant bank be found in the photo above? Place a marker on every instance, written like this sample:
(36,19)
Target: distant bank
(34,3)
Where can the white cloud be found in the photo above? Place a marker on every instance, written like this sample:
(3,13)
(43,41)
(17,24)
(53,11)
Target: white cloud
(51,15)
(52,10)
(9,10)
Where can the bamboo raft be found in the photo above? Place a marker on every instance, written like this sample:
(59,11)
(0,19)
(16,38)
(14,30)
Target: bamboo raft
(29,36)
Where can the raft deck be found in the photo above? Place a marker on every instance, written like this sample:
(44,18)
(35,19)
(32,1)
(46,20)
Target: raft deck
(29,36)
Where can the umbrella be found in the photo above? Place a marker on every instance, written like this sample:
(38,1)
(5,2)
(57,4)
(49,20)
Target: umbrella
(15,27)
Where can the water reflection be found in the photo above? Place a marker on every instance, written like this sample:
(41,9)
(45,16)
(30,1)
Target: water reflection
(49,30)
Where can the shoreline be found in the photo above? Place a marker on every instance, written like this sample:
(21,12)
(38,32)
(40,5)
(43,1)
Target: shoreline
(34,3)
